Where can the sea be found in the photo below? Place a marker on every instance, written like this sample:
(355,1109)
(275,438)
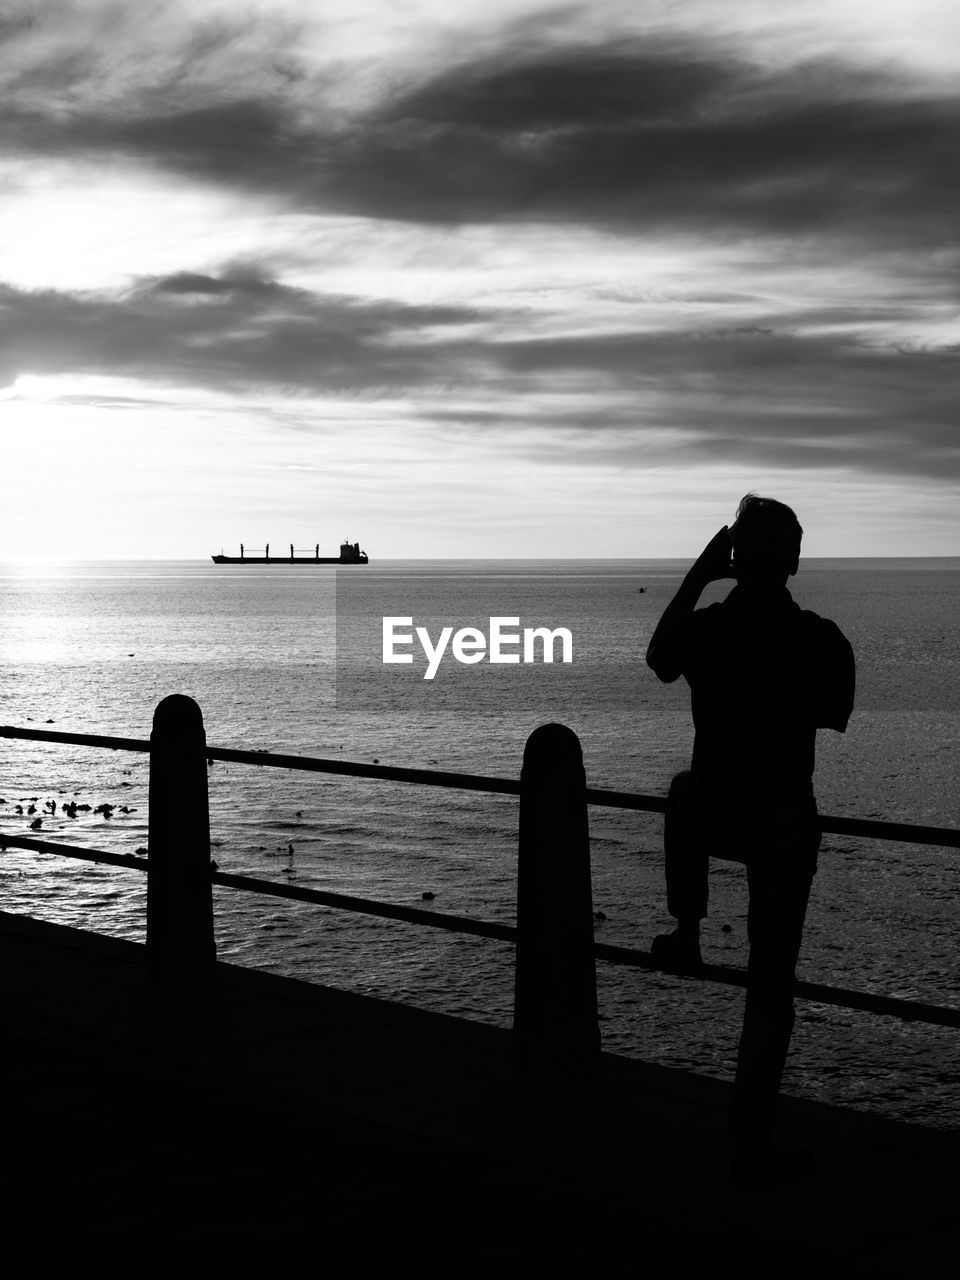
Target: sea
(93,647)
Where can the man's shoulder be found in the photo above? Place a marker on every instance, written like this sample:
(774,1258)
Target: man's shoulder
(808,627)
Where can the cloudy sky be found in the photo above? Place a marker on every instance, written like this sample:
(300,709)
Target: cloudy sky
(492,278)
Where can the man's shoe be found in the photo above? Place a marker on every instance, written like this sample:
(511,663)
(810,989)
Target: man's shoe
(674,954)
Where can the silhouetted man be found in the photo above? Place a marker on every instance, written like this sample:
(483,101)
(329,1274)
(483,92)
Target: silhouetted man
(764,675)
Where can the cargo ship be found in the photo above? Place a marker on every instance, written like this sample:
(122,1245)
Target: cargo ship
(350,553)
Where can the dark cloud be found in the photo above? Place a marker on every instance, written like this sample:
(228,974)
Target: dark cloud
(749,393)
(577,90)
(189,282)
(236,330)
(236,281)
(665,138)
(666,134)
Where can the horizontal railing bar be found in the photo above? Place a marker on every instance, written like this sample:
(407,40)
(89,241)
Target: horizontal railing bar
(626,800)
(272,888)
(350,769)
(72,851)
(943,837)
(910,833)
(839,997)
(269,759)
(369,907)
(75,739)
(867,1002)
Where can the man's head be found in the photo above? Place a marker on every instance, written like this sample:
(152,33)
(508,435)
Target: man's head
(766,541)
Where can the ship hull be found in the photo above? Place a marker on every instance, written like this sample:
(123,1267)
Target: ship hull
(286,560)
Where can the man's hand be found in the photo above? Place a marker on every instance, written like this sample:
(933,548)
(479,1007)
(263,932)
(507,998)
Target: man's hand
(715,560)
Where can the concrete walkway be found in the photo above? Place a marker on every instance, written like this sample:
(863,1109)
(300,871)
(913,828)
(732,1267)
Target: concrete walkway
(273,1127)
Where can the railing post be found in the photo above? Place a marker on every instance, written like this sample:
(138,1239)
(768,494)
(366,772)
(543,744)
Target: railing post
(556,1035)
(180,942)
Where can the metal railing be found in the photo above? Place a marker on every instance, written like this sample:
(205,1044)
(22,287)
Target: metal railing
(555,991)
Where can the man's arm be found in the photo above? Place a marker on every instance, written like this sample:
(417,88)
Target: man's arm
(838,682)
(713,563)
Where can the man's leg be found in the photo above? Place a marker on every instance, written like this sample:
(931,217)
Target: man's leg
(778,905)
(686,864)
